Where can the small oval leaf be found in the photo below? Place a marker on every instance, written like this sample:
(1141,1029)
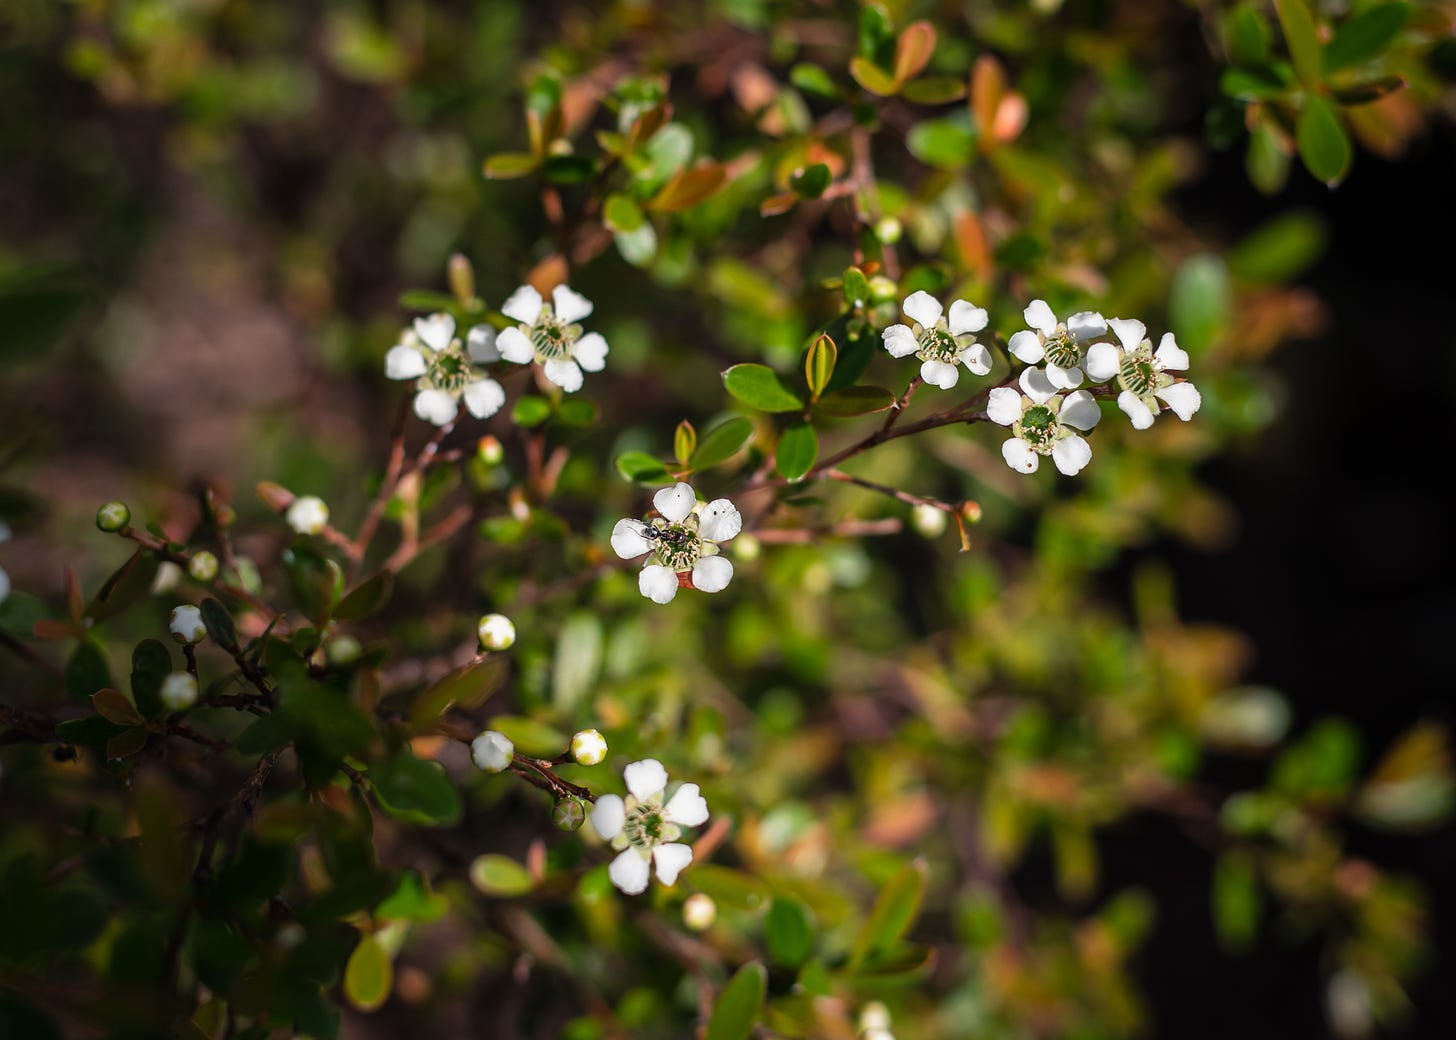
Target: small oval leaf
(739,1005)
(759,386)
(798,448)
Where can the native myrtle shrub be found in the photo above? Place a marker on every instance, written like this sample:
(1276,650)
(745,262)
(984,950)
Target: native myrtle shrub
(714,618)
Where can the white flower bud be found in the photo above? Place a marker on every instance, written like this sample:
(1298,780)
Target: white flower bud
(186,624)
(588,747)
(928,520)
(874,1016)
(888,230)
(699,912)
(496,632)
(202,566)
(179,691)
(308,514)
(492,751)
(342,651)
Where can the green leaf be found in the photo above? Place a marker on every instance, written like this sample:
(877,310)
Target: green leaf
(641,468)
(315,580)
(732,889)
(813,80)
(466,688)
(531,736)
(739,1005)
(86,671)
(668,151)
(1236,901)
(870,76)
(1254,83)
(577,411)
(126,743)
(369,975)
(1302,39)
(789,932)
(1323,144)
(856,287)
(1246,35)
(1365,36)
(415,790)
(530,411)
(1368,91)
(894,912)
(131,582)
(721,443)
(759,386)
(113,706)
(622,214)
(1266,162)
(684,442)
(855,400)
(948,144)
(797,450)
(498,876)
(810,181)
(366,598)
(568,169)
(92,731)
(934,90)
(509,165)
(579,648)
(412,901)
(219,624)
(1199,302)
(1281,249)
(426,300)
(819,365)
(150,664)
(637,247)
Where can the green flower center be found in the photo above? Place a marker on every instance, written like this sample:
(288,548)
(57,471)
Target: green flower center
(552,338)
(677,546)
(1139,373)
(1062,350)
(646,826)
(448,370)
(1038,427)
(937,344)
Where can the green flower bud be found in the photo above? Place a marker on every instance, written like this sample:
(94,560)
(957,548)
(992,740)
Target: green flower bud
(113,517)
(569,814)
(202,566)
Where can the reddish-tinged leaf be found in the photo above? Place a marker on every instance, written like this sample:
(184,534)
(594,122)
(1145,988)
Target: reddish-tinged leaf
(988,84)
(913,51)
(49,628)
(776,204)
(113,706)
(687,188)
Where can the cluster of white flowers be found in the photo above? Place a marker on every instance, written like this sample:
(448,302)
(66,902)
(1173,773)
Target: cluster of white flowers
(1050,412)
(447,371)
(683,540)
(644,830)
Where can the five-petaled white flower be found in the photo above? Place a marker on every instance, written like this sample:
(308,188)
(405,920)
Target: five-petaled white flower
(1061,344)
(645,830)
(941,345)
(548,333)
(443,369)
(1043,423)
(1143,373)
(684,539)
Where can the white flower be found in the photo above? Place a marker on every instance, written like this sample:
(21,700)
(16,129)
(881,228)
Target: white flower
(1143,373)
(940,345)
(186,624)
(699,911)
(1043,423)
(548,333)
(178,691)
(308,514)
(684,539)
(644,830)
(496,632)
(492,751)
(588,747)
(443,369)
(1062,344)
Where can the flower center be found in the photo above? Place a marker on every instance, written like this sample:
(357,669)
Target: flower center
(646,826)
(1138,373)
(552,337)
(1038,428)
(678,546)
(449,369)
(937,344)
(1062,350)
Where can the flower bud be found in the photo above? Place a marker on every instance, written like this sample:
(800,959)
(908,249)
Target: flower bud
(462,279)
(490,450)
(186,624)
(971,512)
(874,1016)
(113,517)
(496,632)
(179,691)
(342,651)
(224,515)
(883,290)
(888,230)
(699,912)
(202,566)
(588,747)
(308,514)
(747,548)
(928,520)
(568,814)
(492,751)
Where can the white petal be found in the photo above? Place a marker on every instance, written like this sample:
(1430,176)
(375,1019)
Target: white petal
(591,352)
(1040,317)
(720,521)
(484,398)
(480,342)
(627,540)
(900,341)
(645,778)
(1071,454)
(569,304)
(977,359)
(608,815)
(1035,385)
(1063,378)
(565,374)
(1140,414)
(404,362)
(941,374)
(686,808)
(923,307)
(1003,406)
(1019,456)
(1103,360)
(966,317)
(1080,410)
(712,574)
(676,502)
(436,331)
(1027,346)
(657,583)
(629,872)
(671,857)
(1130,331)
(514,346)
(1183,398)
(1172,357)
(436,406)
(1086,324)
(524,305)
